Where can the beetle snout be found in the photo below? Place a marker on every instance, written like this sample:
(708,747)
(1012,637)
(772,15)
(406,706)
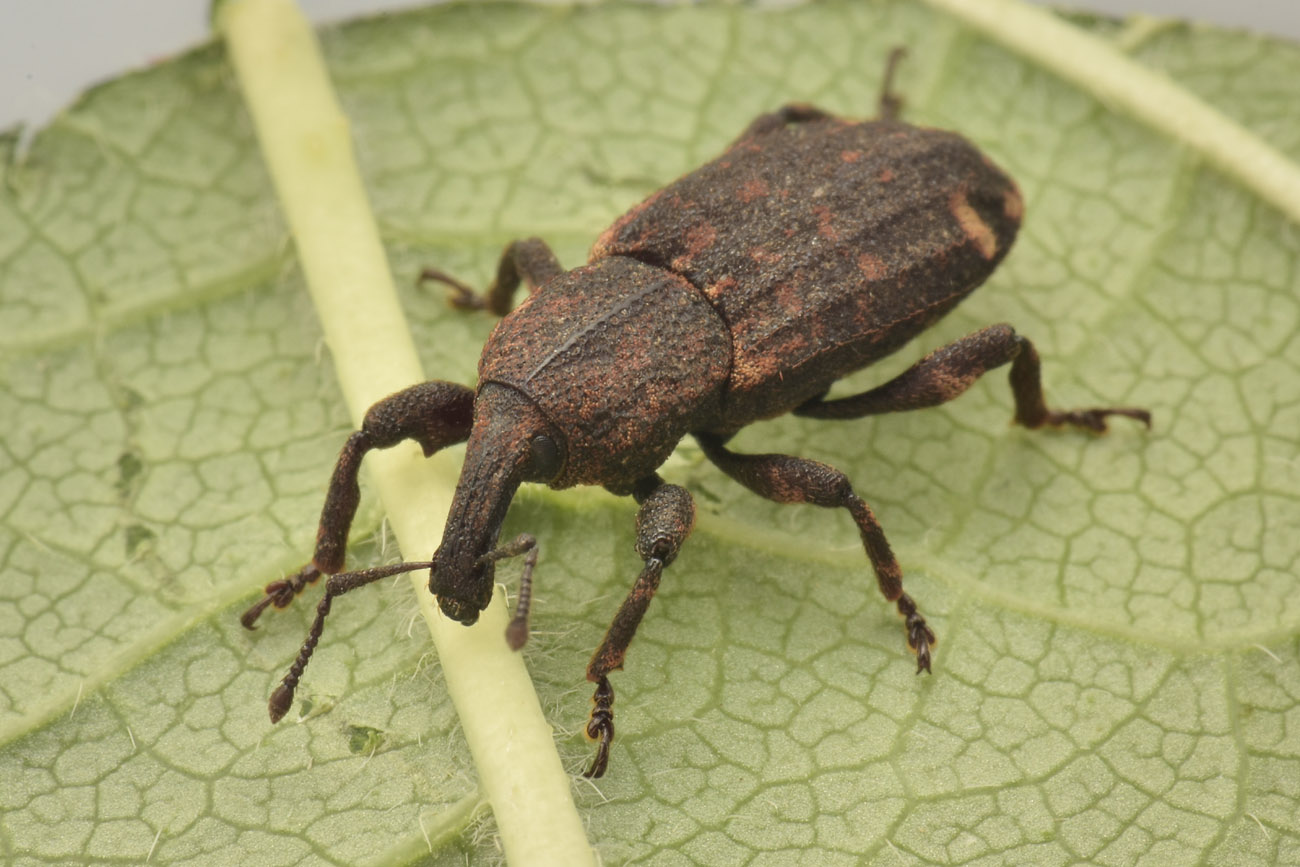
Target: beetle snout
(462,600)
(462,612)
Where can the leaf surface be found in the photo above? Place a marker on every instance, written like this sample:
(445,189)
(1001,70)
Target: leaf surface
(1119,669)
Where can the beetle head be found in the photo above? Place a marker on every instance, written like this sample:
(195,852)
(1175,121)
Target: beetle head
(511,442)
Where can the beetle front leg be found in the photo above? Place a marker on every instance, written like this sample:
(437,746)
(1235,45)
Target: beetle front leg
(665,519)
(528,260)
(787,479)
(950,370)
(435,414)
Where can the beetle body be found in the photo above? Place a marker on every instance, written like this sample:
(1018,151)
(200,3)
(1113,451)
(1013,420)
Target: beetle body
(746,288)
(812,247)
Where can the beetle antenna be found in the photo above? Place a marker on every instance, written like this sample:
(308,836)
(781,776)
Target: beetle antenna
(517,629)
(339,584)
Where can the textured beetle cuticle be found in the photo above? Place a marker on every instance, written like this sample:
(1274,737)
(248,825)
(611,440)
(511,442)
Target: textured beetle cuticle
(813,247)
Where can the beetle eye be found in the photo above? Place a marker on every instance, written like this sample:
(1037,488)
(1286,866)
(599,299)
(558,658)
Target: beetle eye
(545,464)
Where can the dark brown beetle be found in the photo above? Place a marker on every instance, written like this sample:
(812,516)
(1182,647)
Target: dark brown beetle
(811,248)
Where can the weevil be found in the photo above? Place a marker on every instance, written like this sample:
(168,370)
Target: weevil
(811,248)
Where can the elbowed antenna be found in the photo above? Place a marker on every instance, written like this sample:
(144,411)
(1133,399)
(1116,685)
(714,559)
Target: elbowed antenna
(282,697)
(517,628)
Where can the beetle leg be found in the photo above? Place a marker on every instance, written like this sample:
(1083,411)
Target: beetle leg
(787,479)
(891,104)
(529,260)
(663,522)
(339,584)
(889,107)
(435,414)
(950,370)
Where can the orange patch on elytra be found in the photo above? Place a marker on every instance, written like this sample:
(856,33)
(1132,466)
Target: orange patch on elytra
(721,287)
(790,300)
(850,156)
(699,238)
(871,266)
(754,188)
(1013,206)
(973,225)
(824,227)
(885,176)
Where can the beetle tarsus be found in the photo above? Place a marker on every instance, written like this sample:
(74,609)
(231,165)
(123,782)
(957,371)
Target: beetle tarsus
(1027,387)
(280,593)
(920,637)
(249,618)
(1094,420)
(600,727)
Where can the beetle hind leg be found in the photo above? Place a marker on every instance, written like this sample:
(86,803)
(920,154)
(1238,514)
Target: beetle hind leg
(947,372)
(889,105)
(1031,409)
(787,479)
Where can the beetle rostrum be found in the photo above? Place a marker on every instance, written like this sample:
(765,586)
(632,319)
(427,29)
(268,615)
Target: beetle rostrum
(812,247)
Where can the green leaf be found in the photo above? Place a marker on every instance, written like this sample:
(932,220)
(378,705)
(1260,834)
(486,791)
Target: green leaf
(1118,669)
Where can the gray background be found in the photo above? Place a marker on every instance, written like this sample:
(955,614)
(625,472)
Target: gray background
(51,50)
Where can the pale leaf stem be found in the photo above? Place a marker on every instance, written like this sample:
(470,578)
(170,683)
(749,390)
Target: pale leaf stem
(1101,69)
(306,143)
